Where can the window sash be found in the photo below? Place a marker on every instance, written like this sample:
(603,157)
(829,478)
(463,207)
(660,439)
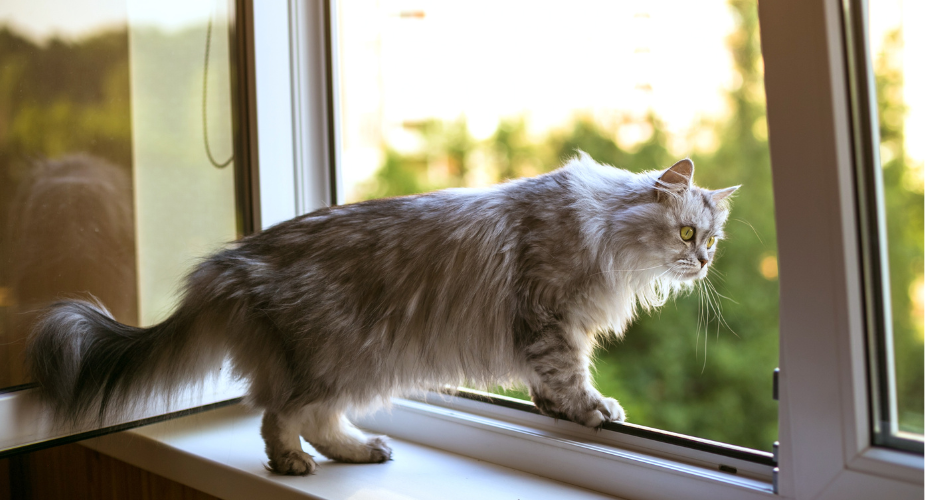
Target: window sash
(824,425)
(873,242)
(24,425)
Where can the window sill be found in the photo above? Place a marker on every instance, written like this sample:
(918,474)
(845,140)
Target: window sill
(221,453)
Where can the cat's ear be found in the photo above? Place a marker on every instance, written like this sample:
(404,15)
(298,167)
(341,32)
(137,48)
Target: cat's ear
(675,179)
(722,194)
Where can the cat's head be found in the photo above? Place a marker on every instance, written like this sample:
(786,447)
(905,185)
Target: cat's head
(687,224)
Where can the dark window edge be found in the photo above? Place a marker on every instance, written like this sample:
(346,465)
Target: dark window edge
(81,436)
(20,387)
(693,443)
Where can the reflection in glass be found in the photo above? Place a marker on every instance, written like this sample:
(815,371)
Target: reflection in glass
(445,94)
(899,46)
(105,187)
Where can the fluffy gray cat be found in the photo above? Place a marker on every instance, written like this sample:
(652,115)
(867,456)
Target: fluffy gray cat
(345,307)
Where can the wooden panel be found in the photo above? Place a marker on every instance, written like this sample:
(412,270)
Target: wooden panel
(75,472)
(5,480)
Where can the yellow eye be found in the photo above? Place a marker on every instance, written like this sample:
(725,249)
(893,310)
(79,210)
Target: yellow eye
(687,233)
(710,241)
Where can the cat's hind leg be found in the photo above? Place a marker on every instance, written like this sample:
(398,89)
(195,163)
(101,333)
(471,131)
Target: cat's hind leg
(330,432)
(281,431)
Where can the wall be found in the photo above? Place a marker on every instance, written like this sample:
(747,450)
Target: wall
(72,471)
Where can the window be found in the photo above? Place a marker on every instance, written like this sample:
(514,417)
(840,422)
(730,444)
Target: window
(824,413)
(892,215)
(825,430)
(446,94)
(119,165)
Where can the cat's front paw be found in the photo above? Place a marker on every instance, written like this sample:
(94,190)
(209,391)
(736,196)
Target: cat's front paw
(380,451)
(608,410)
(292,463)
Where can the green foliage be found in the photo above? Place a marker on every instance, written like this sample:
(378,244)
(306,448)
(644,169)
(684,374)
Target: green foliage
(63,97)
(904,217)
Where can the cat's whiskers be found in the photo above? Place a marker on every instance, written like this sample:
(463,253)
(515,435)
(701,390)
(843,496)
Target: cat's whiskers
(666,272)
(750,227)
(722,277)
(719,312)
(722,296)
(705,318)
(700,319)
(628,270)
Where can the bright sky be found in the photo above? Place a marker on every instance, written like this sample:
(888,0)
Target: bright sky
(489,59)
(409,60)
(912,16)
(73,19)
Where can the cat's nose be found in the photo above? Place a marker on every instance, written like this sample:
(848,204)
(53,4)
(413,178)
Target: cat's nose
(703,262)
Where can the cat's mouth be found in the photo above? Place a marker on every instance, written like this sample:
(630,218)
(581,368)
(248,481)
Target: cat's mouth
(691,274)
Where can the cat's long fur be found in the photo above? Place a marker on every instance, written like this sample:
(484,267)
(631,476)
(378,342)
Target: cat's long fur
(347,306)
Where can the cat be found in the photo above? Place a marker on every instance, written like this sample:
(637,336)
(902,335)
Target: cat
(345,307)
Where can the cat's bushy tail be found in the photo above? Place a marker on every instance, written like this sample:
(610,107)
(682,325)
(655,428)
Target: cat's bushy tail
(90,365)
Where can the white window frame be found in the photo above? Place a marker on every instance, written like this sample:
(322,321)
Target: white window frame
(824,427)
(824,416)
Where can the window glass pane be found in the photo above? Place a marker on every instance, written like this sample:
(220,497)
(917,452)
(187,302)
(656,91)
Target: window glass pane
(899,48)
(445,94)
(105,185)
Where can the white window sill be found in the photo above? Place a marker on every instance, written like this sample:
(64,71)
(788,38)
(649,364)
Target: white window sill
(221,453)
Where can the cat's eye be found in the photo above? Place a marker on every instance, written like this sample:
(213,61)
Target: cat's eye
(687,232)
(710,241)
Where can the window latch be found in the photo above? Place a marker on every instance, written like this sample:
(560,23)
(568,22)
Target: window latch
(775,385)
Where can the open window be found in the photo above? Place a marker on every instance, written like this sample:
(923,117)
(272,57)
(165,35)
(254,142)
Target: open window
(446,94)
